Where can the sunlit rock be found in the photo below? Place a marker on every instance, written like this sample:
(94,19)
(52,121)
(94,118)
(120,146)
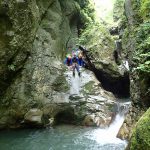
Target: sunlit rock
(33,116)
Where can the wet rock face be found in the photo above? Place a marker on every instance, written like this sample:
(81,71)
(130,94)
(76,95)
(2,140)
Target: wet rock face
(114,31)
(131,119)
(93,106)
(34,116)
(33,83)
(139,86)
(18,21)
(33,39)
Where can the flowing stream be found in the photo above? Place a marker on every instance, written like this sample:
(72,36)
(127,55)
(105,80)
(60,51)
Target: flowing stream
(68,137)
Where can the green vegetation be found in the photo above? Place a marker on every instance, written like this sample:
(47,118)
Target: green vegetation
(142,54)
(87,12)
(12,67)
(60,84)
(140,139)
(97,39)
(141,35)
(118,10)
(145,10)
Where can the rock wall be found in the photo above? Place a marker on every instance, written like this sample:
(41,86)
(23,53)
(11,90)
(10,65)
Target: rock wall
(100,45)
(34,87)
(19,22)
(34,36)
(135,42)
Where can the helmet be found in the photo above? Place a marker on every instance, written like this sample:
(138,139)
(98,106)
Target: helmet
(74,54)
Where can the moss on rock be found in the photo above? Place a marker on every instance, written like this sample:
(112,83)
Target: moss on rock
(140,139)
(60,84)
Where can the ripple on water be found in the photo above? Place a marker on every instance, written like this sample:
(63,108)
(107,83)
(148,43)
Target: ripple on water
(60,138)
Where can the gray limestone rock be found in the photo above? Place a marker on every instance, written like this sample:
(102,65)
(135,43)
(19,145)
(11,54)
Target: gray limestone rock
(34,116)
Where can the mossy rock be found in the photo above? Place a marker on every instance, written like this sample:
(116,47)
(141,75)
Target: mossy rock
(60,84)
(89,88)
(140,139)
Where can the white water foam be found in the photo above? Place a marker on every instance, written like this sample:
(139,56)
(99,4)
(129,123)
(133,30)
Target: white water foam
(108,135)
(77,82)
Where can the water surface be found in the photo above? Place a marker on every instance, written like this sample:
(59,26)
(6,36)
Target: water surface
(64,137)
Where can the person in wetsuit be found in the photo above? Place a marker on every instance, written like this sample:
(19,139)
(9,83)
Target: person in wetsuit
(68,60)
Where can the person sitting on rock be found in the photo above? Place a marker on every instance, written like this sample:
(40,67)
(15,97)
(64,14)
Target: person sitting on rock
(75,64)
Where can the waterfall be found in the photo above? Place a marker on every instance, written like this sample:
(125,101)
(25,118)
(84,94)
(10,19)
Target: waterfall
(75,85)
(74,82)
(108,135)
(126,64)
(77,82)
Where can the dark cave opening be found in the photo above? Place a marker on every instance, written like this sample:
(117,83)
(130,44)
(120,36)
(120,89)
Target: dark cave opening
(120,86)
(66,116)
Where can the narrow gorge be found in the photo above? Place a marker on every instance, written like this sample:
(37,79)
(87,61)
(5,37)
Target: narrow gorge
(43,106)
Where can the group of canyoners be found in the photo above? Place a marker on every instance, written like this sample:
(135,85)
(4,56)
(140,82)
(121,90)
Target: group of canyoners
(75,60)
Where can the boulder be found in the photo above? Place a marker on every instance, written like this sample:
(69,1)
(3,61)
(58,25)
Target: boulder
(34,116)
(97,120)
(140,138)
(89,121)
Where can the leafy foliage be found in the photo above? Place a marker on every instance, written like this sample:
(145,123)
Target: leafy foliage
(145,9)
(142,53)
(118,10)
(98,41)
(87,12)
(12,67)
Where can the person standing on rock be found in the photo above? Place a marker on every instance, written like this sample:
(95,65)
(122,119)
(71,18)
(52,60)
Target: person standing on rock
(81,61)
(75,64)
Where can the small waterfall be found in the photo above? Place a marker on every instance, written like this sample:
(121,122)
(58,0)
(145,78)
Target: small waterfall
(108,135)
(75,85)
(77,82)
(126,64)
(118,45)
(74,82)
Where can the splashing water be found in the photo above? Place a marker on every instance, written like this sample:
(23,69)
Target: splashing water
(77,82)
(108,135)
(75,85)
